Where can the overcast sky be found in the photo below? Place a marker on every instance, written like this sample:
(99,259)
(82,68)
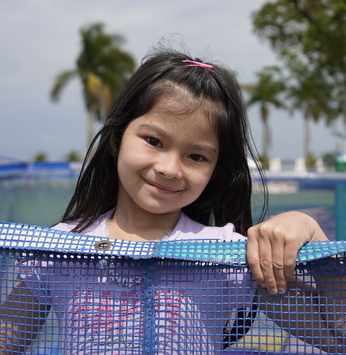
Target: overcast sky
(40,38)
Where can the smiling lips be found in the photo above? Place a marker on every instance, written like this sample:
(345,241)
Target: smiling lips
(163,189)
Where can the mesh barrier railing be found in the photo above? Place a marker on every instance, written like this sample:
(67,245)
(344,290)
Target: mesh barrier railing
(68,293)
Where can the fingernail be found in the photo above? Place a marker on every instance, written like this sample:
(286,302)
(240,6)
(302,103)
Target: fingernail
(281,290)
(273,291)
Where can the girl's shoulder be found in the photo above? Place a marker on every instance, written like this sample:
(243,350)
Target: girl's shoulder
(187,228)
(97,229)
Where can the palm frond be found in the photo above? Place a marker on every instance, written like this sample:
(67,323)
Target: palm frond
(60,82)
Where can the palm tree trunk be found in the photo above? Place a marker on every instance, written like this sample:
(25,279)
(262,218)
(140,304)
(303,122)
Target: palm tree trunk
(90,127)
(307,137)
(266,137)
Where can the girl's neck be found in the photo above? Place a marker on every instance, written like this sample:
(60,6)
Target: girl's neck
(141,225)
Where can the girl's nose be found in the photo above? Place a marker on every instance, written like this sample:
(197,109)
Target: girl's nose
(170,167)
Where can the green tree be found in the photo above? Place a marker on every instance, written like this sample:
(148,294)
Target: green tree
(73,155)
(102,67)
(308,93)
(329,159)
(266,92)
(315,33)
(41,156)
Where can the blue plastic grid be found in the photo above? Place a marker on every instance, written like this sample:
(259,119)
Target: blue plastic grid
(180,297)
(22,236)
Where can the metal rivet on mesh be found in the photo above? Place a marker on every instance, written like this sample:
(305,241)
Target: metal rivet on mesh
(103,245)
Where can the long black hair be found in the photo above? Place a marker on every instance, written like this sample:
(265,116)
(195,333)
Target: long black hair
(227,197)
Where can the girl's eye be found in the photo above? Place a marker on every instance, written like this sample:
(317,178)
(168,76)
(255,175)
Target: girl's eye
(197,157)
(153,141)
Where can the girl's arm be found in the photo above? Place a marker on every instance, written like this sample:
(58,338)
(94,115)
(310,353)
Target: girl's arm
(332,297)
(271,253)
(21,317)
(316,316)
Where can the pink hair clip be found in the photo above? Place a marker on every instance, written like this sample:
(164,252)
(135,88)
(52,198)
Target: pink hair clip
(192,63)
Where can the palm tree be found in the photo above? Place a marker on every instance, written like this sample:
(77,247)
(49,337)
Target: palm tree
(102,67)
(308,92)
(266,92)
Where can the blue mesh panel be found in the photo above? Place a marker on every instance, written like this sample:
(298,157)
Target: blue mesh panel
(68,293)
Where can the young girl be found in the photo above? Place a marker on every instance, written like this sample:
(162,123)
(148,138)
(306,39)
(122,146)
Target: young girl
(170,161)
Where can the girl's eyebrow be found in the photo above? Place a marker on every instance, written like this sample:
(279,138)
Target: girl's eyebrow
(205,148)
(155,129)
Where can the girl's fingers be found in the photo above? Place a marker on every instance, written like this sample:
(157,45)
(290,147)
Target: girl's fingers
(266,264)
(273,246)
(291,251)
(278,251)
(271,258)
(252,255)
(260,260)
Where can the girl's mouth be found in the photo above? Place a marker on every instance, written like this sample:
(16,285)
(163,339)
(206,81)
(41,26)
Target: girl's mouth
(163,189)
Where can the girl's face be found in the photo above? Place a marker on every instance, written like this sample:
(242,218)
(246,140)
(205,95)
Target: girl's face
(166,159)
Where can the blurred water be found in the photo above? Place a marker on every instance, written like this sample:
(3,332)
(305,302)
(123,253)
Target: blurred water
(42,202)
(37,202)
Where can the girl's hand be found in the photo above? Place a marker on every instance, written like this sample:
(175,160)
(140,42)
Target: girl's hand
(273,246)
